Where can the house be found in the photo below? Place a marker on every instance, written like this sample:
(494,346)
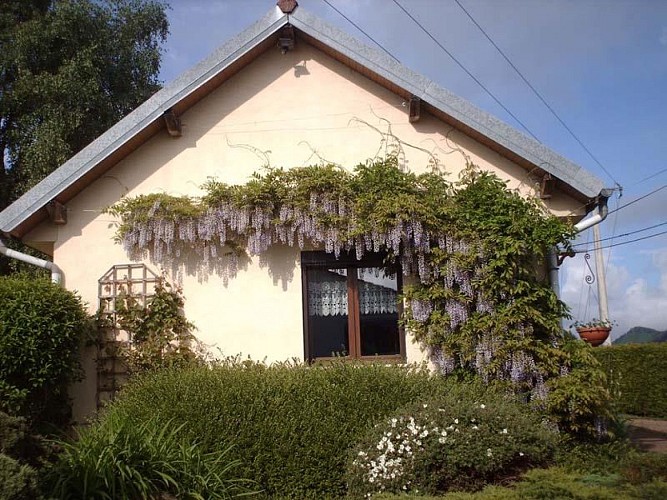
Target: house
(290,90)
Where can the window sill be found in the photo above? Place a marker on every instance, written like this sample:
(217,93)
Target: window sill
(394,359)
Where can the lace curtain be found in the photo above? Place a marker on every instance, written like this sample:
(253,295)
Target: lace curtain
(327,295)
(376,299)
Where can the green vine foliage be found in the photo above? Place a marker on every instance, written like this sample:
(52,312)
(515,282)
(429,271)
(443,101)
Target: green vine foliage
(161,335)
(472,250)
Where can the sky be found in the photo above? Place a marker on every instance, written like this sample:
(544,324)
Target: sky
(600,64)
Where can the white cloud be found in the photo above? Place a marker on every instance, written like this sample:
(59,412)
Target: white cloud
(633,301)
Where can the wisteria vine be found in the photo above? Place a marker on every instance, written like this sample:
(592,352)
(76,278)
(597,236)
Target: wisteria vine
(471,248)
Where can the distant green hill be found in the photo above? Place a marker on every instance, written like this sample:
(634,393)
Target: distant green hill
(641,335)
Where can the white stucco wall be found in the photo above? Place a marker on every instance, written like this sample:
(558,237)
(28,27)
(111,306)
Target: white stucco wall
(293,109)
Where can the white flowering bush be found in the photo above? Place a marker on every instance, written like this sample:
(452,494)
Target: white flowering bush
(460,441)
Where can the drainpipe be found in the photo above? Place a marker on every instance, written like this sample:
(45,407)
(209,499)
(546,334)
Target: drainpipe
(56,273)
(599,216)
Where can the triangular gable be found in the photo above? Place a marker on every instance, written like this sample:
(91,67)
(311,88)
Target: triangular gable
(191,86)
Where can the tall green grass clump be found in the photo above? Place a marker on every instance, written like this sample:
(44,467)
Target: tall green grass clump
(121,457)
(290,425)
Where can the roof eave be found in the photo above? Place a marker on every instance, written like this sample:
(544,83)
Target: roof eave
(462,111)
(503,138)
(137,121)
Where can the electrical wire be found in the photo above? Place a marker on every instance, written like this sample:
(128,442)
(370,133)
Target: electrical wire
(638,199)
(613,234)
(359,28)
(460,64)
(539,96)
(624,234)
(588,250)
(651,176)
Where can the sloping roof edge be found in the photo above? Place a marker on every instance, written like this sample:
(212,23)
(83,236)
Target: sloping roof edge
(450,104)
(376,61)
(138,120)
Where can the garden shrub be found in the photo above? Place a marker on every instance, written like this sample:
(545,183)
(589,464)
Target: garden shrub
(18,452)
(465,438)
(644,467)
(161,334)
(595,458)
(638,373)
(41,329)
(123,458)
(17,481)
(556,483)
(291,425)
(579,401)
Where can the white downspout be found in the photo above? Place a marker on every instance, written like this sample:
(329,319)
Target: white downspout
(595,219)
(56,273)
(580,226)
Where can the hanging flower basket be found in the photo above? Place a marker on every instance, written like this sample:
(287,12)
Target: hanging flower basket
(594,332)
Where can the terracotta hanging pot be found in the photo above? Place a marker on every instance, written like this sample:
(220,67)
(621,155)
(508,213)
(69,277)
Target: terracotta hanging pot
(594,335)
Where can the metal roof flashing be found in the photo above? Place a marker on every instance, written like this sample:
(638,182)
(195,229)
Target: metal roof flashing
(375,61)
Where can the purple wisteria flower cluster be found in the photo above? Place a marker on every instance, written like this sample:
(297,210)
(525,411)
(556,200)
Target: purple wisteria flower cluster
(328,222)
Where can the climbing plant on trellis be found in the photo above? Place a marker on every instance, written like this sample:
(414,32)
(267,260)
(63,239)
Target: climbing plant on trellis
(472,248)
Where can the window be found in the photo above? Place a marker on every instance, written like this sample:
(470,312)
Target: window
(350,307)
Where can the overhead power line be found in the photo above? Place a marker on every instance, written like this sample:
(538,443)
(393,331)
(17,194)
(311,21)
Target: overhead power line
(623,235)
(360,29)
(588,250)
(651,176)
(638,199)
(538,94)
(460,64)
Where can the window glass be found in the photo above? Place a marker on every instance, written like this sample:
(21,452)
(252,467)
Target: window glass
(378,312)
(327,312)
(351,307)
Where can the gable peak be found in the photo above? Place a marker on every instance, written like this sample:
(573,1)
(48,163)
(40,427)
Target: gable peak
(287,6)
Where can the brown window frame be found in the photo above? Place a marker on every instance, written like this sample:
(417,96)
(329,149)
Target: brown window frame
(323,260)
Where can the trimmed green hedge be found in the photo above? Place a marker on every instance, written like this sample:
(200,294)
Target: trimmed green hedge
(291,427)
(638,377)
(42,326)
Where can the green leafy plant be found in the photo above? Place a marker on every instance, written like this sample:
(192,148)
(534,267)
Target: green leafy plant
(17,481)
(579,400)
(638,373)
(556,483)
(472,249)
(42,327)
(463,439)
(644,467)
(292,426)
(20,454)
(124,458)
(161,336)
(593,323)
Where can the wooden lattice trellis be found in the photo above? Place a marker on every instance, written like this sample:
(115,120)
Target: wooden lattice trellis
(129,280)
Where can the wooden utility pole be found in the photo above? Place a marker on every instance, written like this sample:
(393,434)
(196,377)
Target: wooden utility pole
(601,279)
